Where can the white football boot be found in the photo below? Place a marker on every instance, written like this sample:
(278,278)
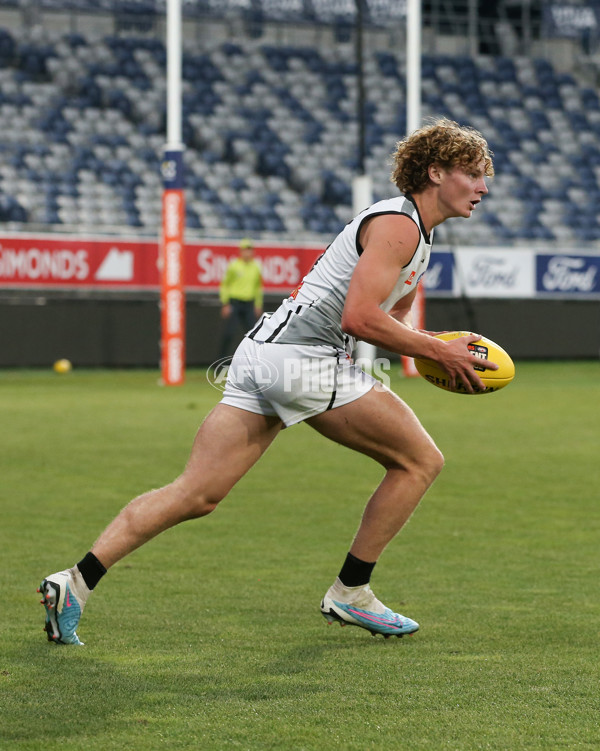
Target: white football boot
(64,595)
(358,606)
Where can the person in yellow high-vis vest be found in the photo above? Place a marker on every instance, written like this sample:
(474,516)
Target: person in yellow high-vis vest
(241,294)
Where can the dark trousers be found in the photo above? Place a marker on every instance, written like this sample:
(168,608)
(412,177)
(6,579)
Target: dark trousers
(242,317)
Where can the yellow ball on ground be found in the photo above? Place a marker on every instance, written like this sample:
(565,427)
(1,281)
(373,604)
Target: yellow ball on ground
(62,366)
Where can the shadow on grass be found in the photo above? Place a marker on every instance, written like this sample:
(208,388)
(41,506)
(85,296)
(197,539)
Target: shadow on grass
(54,692)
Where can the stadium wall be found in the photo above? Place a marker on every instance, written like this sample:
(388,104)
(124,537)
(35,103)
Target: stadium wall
(124,331)
(95,300)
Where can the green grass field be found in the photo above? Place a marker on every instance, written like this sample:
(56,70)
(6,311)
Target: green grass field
(210,636)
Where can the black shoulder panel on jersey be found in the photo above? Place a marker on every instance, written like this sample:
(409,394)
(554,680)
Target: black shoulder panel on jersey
(359,247)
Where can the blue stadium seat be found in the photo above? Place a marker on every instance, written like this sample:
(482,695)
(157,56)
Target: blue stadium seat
(254,113)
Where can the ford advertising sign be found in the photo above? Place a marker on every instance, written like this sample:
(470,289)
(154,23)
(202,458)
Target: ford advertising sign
(439,277)
(568,274)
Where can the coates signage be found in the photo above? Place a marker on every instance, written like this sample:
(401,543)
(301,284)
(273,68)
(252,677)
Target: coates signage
(567,275)
(118,263)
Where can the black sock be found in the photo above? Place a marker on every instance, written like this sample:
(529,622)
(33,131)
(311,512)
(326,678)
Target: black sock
(355,572)
(91,570)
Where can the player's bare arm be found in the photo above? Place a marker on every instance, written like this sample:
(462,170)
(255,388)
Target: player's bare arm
(389,243)
(402,312)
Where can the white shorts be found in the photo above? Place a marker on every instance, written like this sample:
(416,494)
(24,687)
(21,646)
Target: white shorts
(293,381)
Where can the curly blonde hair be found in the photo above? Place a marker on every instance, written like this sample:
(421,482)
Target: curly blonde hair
(443,142)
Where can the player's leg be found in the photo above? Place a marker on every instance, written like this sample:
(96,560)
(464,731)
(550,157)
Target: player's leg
(227,444)
(380,425)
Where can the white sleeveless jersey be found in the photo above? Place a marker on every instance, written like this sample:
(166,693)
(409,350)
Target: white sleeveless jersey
(312,314)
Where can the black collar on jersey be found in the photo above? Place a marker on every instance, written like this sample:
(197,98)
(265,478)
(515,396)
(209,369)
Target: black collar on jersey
(359,247)
(425,233)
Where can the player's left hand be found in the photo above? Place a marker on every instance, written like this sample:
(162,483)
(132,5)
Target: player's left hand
(460,363)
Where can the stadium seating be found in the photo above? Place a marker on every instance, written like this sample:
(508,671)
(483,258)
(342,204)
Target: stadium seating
(271,136)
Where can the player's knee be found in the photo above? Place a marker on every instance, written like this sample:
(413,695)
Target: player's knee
(196,501)
(428,464)
(435,463)
(201,504)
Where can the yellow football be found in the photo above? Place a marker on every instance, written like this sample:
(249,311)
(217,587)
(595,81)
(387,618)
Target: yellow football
(483,348)
(62,366)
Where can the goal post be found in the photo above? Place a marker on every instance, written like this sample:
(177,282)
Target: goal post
(171,246)
(171,267)
(413,121)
